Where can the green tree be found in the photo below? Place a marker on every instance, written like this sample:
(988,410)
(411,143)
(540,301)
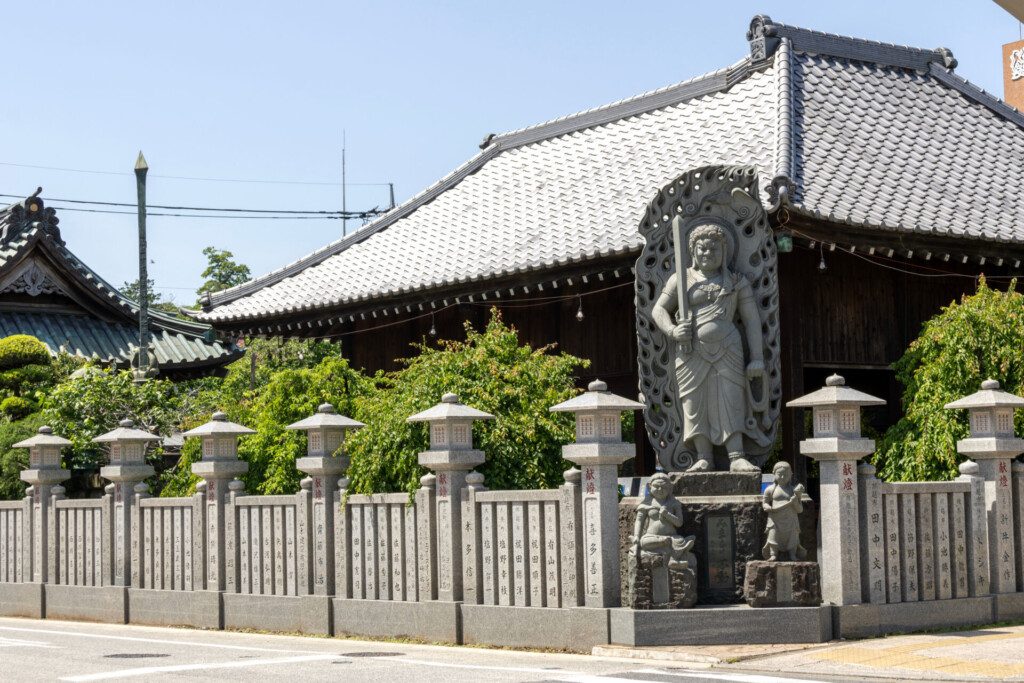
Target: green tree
(491,371)
(221,271)
(26,372)
(980,337)
(156,299)
(82,408)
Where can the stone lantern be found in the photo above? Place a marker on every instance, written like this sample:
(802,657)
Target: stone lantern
(44,474)
(127,467)
(837,445)
(599,450)
(220,462)
(993,446)
(325,463)
(451,456)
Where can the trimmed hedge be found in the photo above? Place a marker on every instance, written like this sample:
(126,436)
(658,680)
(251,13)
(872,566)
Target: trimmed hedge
(22,349)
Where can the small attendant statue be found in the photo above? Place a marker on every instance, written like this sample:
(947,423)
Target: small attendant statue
(662,562)
(782,501)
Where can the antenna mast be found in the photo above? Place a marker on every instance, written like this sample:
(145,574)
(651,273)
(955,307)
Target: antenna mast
(344,205)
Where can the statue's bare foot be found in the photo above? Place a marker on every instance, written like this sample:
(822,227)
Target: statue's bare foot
(701,465)
(741,464)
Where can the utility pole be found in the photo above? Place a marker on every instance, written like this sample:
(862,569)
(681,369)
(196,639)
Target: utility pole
(142,371)
(344,205)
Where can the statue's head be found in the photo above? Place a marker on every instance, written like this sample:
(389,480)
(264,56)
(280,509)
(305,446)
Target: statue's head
(708,246)
(783,473)
(660,486)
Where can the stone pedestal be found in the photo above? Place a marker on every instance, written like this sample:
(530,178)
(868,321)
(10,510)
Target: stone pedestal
(716,483)
(782,584)
(730,532)
(651,584)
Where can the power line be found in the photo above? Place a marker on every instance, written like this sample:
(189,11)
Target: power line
(221,216)
(198,178)
(97,202)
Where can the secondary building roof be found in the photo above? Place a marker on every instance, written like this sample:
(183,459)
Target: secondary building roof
(47,292)
(848,131)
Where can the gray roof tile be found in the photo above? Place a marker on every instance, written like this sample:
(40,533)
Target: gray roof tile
(874,135)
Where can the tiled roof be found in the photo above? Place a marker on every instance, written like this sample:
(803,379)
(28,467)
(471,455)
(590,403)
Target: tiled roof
(176,344)
(875,135)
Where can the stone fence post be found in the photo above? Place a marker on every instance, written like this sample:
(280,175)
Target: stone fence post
(979,569)
(126,467)
(451,457)
(219,465)
(325,462)
(837,445)
(599,450)
(44,474)
(993,446)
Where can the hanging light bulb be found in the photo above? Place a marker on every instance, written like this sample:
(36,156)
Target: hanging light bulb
(822,266)
(579,311)
(433,330)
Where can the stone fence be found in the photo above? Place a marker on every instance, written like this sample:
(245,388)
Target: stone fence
(322,559)
(456,562)
(913,555)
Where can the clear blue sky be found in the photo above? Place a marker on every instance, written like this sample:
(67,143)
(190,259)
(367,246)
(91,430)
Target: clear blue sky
(263,90)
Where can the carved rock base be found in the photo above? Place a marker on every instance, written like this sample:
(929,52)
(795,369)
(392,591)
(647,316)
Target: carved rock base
(782,584)
(716,483)
(652,585)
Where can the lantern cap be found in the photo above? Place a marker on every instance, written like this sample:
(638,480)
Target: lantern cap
(219,426)
(990,396)
(449,409)
(326,416)
(596,397)
(835,393)
(45,437)
(125,432)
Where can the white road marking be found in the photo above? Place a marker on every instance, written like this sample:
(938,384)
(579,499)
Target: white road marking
(17,642)
(150,670)
(161,641)
(719,676)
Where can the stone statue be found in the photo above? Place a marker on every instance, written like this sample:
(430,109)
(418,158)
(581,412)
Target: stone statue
(662,563)
(707,322)
(782,501)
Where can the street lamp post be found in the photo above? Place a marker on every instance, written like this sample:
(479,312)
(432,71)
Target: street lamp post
(142,371)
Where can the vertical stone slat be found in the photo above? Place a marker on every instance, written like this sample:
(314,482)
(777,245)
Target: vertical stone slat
(291,556)
(908,546)
(426,535)
(61,517)
(892,548)
(470,546)
(342,542)
(535,550)
(925,547)
(960,540)
(305,538)
(358,561)
(199,539)
(979,571)
(279,549)
(370,549)
(505,565)
(943,545)
(411,579)
(571,525)
(256,550)
(520,556)
(395,514)
(267,522)
(244,552)
(488,587)
(383,549)
(107,544)
(872,534)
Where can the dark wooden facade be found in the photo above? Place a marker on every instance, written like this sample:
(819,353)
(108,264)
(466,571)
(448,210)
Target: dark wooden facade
(856,316)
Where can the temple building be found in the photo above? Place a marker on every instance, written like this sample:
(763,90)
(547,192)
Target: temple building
(891,184)
(47,292)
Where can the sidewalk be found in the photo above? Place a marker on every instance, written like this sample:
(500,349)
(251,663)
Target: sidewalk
(987,654)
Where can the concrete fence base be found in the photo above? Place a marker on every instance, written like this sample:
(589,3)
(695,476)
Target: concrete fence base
(569,628)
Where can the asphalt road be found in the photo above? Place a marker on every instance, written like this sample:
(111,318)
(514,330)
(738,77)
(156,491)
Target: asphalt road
(49,650)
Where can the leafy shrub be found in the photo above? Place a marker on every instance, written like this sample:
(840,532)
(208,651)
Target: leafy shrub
(979,338)
(82,408)
(14,460)
(490,371)
(22,349)
(16,407)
